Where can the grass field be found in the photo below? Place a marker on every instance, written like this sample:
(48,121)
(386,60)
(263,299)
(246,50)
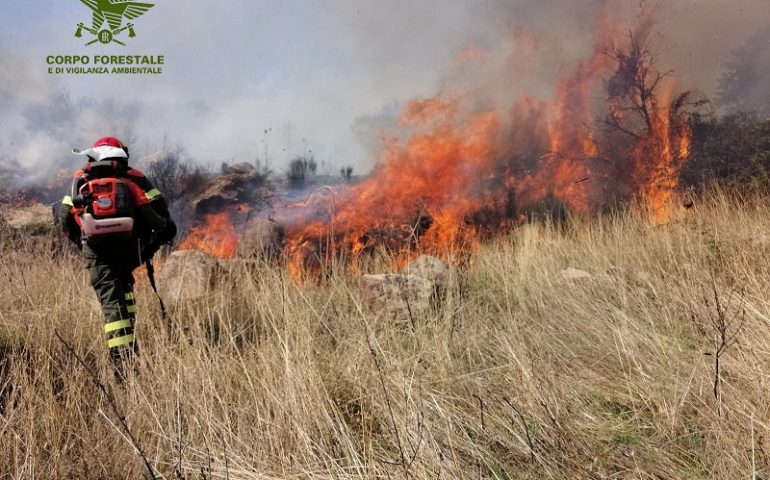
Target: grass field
(519,372)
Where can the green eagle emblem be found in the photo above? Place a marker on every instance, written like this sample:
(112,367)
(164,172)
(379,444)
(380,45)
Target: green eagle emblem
(112,12)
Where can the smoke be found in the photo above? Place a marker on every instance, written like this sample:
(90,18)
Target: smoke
(743,86)
(244,80)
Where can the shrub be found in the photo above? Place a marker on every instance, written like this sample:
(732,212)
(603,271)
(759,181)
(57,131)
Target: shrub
(176,177)
(301,168)
(732,149)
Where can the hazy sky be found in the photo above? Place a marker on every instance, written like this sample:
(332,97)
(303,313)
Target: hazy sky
(318,73)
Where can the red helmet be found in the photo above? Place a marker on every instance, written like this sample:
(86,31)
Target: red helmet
(108,141)
(105,148)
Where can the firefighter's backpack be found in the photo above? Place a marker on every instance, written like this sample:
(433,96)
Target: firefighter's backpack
(106,208)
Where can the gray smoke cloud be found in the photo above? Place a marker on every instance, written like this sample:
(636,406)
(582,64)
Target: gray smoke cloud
(743,86)
(249,78)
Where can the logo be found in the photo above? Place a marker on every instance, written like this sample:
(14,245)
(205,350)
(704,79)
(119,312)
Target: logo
(106,27)
(105,227)
(111,12)
(104,202)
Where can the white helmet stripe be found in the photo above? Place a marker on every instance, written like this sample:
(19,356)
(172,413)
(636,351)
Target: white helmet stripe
(103,152)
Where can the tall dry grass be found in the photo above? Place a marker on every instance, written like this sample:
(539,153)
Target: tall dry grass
(519,372)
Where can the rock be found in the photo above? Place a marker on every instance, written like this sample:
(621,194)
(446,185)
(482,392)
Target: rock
(242,168)
(762,241)
(397,295)
(430,268)
(643,278)
(228,190)
(262,239)
(34,219)
(574,274)
(187,275)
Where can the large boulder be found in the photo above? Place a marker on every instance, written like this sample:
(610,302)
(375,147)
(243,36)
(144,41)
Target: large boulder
(34,219)
(262,239)
(430,268)
(187,275)
(397,295)
(229,190)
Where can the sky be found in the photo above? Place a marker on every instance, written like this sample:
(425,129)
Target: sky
(249,79)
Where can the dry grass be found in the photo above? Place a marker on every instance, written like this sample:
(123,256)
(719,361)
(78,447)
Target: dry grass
(518,374)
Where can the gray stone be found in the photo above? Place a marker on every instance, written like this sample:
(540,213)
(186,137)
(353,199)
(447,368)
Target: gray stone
(262,239)
(762,241)
(396,295)
(574,274)
(643,278)
(187,275)
(430,268)
(34,219)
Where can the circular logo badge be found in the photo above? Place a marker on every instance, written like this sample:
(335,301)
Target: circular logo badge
(105,36)
(104,202)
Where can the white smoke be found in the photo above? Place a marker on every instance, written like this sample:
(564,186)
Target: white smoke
(325,76)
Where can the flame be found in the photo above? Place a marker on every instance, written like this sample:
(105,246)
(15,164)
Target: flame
(672,144)
(215,235)
(457,169)
(659,156)
(416,199)
(461,173)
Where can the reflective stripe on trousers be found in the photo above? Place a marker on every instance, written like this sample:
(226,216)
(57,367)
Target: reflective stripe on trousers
(120,331)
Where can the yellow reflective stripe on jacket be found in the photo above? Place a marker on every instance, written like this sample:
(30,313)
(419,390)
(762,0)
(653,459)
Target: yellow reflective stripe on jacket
(68,201)
(120,341)
(152,194)
(131,309)
(131,296)
(119,325)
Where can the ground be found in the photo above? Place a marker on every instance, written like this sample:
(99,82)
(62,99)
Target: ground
(522,370)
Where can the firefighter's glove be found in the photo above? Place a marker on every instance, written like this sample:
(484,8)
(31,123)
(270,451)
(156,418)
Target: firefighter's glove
(167,234)
(148,251)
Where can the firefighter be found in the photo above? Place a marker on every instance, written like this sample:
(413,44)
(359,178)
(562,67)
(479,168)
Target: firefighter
(119,220)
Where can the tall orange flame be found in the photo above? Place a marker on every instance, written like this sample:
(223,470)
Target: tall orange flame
(462,172)
(459,169)
(215,235)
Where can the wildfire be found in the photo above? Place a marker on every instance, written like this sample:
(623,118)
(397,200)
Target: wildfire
(456,170)
(463,173)
(216,236)
(670,140)
(417,198)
